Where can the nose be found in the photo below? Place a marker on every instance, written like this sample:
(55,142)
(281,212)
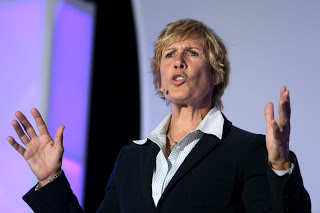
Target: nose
(180,63)
(181,66)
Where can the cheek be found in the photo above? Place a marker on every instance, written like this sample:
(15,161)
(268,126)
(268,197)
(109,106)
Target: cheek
(203,80)
(203,74)
(163,73)
(162,80)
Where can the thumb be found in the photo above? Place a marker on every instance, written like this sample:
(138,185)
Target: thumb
(58,137)
(269,114)
(271,124)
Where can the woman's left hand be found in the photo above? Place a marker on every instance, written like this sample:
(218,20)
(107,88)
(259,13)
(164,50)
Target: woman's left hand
(278,132)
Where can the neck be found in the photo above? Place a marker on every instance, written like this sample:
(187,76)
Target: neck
(185,119)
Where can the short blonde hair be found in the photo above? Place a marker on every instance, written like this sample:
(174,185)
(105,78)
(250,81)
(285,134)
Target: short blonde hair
(214,48)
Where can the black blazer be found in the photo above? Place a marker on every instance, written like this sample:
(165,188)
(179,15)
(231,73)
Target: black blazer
(228,175)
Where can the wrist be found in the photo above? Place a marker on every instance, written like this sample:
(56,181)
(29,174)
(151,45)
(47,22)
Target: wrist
(48,180)
(280,166)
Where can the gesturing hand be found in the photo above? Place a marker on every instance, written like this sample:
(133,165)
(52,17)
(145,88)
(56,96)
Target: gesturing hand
(278,132)
(43,155)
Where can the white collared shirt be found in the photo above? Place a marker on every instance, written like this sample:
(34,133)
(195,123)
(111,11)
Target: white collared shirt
(165,169)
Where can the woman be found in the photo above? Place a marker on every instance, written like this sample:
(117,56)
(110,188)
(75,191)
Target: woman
(195,160)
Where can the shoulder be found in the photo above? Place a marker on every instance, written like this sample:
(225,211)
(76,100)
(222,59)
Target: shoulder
(248,149)
(243,135)
(248,142)
(128,150)
(134,151)
(133,148)
(234,133)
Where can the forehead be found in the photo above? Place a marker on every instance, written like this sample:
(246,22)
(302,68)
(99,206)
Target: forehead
(189,43)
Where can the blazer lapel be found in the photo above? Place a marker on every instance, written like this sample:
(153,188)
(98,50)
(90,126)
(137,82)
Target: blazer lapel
(205,145)
(148,153)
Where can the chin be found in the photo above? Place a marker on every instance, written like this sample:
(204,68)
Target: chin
(184,100)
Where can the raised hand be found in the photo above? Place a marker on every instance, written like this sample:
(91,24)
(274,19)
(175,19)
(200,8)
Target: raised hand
(278,132)
(43,155)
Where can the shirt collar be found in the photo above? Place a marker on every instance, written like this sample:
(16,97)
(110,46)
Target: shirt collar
(211,124)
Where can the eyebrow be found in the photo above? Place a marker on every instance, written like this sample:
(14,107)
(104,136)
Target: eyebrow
(186,48)
(169,49)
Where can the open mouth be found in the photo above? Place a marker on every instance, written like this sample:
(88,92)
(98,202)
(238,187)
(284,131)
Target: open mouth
(178,79)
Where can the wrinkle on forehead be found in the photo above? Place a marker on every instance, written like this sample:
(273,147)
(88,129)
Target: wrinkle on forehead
(190,44)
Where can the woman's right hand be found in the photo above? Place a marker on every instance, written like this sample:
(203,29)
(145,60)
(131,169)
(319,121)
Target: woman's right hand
(43,155)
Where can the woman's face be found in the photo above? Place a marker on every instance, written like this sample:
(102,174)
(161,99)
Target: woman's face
(185,73)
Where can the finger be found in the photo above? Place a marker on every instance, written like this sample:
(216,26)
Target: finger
(285,97)
(269,114)
(282,116)
(21,134)
(26,125)
(58,137)
(271,124)
(284,108)
(39,121)
(276,130)
(287,103)
(16,146)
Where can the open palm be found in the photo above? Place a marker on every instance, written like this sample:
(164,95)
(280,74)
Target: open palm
(43,155)
(278,132)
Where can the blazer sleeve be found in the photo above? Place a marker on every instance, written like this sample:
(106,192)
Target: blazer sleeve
(111,202)
(287,192)
(265,191)
(54,197)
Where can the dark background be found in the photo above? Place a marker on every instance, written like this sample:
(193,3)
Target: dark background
(114,111)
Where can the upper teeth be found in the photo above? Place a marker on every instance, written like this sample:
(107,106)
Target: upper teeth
(178,78)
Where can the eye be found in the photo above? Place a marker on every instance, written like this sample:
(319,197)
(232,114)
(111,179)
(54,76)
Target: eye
(193,53)
(169,55)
